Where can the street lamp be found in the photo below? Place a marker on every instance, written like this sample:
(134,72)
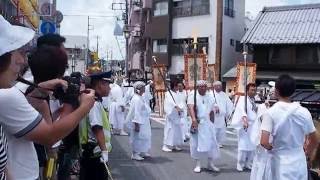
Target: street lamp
(127,33)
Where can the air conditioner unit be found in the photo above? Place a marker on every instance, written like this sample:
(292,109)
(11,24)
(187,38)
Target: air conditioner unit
(147,4)
(136,63)
(136,33)
(136,5)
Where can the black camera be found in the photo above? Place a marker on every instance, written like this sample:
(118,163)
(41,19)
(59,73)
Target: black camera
(72,93)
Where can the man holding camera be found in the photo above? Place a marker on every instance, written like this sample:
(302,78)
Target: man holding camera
(23,123)
(95,135)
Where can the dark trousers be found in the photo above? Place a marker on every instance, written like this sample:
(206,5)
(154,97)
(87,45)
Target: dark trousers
(92,169)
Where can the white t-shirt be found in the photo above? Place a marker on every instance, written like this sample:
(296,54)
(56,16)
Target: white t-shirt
(95,119)
(18,118)
(292,133)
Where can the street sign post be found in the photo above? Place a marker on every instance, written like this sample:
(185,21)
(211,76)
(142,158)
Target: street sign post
(47,27)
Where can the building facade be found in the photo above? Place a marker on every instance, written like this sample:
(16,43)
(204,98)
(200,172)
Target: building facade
(167,28)
(76,47)
(285,39)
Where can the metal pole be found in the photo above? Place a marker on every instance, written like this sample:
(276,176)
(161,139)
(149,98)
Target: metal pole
(195,74)
(127,41)
(88,43)
(245,76)
(98,46)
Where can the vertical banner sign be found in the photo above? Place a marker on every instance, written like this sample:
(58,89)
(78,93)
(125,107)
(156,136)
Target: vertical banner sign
(189,67)
(251,76)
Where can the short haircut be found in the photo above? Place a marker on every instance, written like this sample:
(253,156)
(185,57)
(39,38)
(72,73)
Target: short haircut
(51,40)
(250,85)
(48,62)
(173,84)
(285,85)
(5,60)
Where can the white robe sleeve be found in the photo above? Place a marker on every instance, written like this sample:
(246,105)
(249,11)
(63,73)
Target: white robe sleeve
(169,107)
(239,113)
(137,109)
(229,105)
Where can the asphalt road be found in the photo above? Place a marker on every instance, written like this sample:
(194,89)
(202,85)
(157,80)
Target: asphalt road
(173,165)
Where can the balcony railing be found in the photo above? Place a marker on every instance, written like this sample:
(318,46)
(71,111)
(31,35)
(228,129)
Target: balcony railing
(191,11)
(229,12)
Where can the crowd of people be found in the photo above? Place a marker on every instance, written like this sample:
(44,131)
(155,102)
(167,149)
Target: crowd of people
(52,125)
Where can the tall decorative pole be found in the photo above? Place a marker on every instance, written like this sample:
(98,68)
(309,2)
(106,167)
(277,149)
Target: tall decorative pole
(245,53)
(195,74)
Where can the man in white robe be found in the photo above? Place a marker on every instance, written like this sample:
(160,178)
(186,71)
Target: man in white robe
(173,135)
(203,144)
(243,120)
(290,125)
(262,159)
(117,110)
(223,108)
(140,127)
(182,102)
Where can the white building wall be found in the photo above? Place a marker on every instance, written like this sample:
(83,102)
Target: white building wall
(80,66)
(233,28)
(205,26)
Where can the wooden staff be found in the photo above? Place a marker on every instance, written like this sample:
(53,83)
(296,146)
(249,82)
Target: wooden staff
(164,80)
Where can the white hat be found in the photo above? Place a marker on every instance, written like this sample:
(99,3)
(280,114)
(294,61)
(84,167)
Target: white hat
(13,37)
(138,85)
(216,83)
(202,83)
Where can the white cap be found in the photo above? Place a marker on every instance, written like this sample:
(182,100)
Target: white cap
(216,83)
(138,85)
(202,83)
(13,37)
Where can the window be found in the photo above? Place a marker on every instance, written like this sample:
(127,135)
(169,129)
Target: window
(160,46)
(280,55)
(161,9)
(184,46)
(306,55)
(191,8)
(239,46)
(229,8)
(231,42)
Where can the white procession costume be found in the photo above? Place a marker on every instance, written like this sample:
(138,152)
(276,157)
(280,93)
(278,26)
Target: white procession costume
(173,135)
(261,167)
(288,123)
(139,113)
(246,147)
(182,102)
(225,106)
(116,113)
(203,144)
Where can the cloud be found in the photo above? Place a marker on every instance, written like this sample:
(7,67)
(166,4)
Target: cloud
(255,6)
(76,23)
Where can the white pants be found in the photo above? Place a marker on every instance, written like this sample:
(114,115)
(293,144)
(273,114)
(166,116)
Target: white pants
(221,135)
(245,158)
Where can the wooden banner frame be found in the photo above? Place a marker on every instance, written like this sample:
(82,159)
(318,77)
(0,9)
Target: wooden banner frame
(188,69)
(159,85)
(211,74)
(251,78)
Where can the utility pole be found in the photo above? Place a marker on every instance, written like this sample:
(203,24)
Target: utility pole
(88,43)
(119,6)
(127,41)
(98,45)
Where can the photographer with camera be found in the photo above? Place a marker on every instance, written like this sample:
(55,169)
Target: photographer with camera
(95,133)
(27,122)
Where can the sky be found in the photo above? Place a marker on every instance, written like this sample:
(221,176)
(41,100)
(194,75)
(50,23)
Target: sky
(102,21)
